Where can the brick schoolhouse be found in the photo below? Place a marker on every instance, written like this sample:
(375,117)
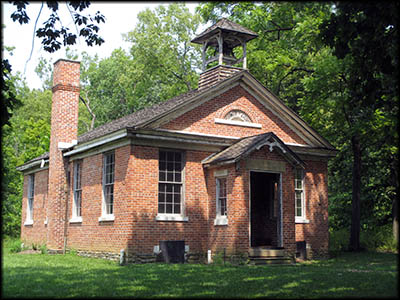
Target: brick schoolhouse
(225,167)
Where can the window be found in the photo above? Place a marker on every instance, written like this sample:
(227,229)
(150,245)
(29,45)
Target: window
(170,182)
(299,194)
(237,115)
(108,183)
(221,197)
(31,193)
(77,204)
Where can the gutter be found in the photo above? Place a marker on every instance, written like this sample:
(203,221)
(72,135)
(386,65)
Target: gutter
(100,142)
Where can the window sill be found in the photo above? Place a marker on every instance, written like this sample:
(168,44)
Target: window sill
(302,221)
(237,123)
(75,220)
(173,218)
(106,218)
(28,222)
(218,221)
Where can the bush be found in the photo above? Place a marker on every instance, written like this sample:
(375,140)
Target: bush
(15,246)
(377,239)
(338,240)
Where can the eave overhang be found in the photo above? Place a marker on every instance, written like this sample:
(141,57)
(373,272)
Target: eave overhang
(245,146)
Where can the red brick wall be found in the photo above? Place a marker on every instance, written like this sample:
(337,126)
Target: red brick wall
(146,231)
(201,119)
(136,187)
(136,204)
(316,232)
(92,234)
(235,237)
(37,232)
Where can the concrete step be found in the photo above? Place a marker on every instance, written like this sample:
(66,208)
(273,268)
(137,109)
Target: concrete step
(270,261)
(264,252)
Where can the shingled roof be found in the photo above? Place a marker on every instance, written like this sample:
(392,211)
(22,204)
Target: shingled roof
(245,146)
(136,118)
(225,24)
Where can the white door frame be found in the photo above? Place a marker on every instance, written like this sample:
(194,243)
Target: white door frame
(280,213)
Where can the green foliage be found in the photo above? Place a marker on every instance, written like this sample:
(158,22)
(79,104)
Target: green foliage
(26,137)
(160,65)
(374,239)
(340,88)
(13,245)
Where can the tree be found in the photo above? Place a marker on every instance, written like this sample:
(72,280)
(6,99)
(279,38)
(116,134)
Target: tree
(290,58)
(160,65)
(35,130)
(365,36)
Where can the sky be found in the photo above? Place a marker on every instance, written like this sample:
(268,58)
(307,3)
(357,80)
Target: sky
(120,18)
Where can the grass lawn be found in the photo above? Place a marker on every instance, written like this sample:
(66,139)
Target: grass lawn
(360,275)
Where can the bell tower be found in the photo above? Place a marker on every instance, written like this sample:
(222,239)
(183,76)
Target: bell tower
(222,37)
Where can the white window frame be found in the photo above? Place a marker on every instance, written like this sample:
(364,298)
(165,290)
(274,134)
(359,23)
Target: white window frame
(221,219)
(107,182)
(77,190)
(164,216)
(30,200)
(300,188)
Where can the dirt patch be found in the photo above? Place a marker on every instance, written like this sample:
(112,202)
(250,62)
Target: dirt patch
(30,251)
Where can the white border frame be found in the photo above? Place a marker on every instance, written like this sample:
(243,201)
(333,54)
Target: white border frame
(279,224)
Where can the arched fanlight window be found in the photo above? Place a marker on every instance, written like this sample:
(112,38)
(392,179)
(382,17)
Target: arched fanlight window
(237,115)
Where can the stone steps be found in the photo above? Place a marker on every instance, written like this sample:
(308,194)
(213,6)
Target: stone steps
(266,256)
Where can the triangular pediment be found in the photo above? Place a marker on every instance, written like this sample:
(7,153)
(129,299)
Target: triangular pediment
(245,146)
(251,85)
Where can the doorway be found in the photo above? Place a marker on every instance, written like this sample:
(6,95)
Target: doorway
(265,209)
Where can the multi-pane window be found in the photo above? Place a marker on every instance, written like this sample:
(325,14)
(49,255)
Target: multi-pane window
(299,193)
(170,182)
(221,197)
(77,189)
(31,193)
(108,183)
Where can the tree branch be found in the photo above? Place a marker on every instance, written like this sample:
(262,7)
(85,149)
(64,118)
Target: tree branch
(33,38)
(289,73)
(87,104)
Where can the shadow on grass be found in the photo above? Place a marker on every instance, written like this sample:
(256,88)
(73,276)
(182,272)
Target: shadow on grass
(72,276)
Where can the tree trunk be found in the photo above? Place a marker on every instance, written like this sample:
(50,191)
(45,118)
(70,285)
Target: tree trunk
(356,195)
(395,220)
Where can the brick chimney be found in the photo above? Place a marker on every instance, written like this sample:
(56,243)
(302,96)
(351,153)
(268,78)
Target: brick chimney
(64,133)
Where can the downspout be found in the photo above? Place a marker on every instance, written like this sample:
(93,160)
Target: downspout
(67,194)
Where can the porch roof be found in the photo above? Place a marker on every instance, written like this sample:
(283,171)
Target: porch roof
(245,146)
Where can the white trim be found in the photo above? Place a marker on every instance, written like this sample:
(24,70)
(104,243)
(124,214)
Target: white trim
(33,164)
(298,145)
(279,224)
(237,123)
(104,140)
(303,196)
(221,173)
(299,220)
(220,220)
(106,218)
(66,145)
(171,217)
(102,149)
(28,222)
(76,220)
(174,139)
(200,134)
